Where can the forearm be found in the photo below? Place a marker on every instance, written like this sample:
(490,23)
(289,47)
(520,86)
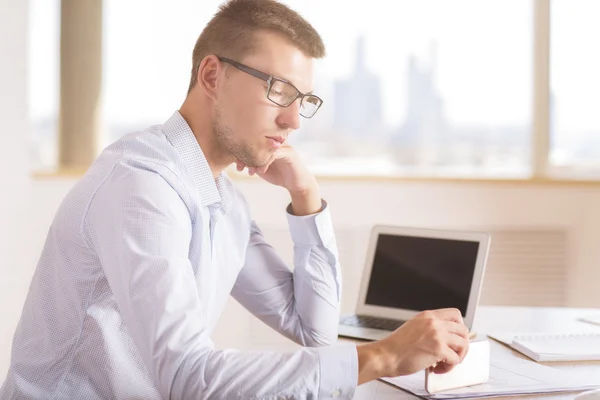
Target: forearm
(306,202)
(316,295)
(230,374)
(317,276)
(304,304)
(370,362)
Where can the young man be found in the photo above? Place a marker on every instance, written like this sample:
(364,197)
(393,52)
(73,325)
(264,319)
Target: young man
(145,250)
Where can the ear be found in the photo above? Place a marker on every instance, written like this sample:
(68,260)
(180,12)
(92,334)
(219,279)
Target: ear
(210,72)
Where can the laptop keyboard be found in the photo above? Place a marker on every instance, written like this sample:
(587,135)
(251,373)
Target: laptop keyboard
(371,322)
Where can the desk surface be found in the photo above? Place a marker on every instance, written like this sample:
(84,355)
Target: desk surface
(513,319)
(496,319)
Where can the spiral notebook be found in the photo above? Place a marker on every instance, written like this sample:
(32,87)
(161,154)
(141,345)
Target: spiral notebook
(554,347)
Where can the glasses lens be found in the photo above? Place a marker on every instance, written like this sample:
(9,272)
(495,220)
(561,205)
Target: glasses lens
(310,105)
(282,93)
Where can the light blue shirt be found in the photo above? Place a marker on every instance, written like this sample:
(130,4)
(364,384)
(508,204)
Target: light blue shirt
(138,264)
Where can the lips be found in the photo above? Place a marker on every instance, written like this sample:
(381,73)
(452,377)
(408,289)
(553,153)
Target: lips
(279,139)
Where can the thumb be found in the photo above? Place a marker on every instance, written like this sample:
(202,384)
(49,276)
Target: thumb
(283,153)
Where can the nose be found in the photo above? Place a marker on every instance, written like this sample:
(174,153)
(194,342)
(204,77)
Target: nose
(289,117)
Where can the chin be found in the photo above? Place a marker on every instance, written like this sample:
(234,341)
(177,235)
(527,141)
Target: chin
(264,160)
(256,160)
(262,157)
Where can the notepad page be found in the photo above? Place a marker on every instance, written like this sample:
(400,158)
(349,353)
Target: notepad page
(576,344)
(592,319)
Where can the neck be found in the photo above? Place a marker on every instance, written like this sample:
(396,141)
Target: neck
(197,113)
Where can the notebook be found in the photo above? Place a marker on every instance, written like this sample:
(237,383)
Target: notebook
(554,347)
(592,319)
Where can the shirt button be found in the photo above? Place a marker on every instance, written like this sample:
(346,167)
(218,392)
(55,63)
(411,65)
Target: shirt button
(336,393)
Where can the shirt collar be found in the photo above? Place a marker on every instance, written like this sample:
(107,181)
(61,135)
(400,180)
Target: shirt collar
(212,191)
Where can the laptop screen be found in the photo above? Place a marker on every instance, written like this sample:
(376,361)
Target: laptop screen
(417,273)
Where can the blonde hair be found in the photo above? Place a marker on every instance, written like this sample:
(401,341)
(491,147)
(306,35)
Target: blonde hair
(231,32)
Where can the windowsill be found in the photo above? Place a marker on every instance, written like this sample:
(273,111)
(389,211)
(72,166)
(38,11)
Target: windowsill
(57,174)
(238,176)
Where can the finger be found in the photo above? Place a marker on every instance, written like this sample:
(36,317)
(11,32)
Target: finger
(450,360)
(251,170)
(283,152)
(442,368)
(459,345)
(449,314)
(262,169)
(239,165)
(456,328)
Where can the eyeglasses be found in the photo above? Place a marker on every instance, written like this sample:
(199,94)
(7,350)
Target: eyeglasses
(282,92)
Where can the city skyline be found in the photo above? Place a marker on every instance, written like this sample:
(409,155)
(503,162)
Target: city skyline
(425,137)
(471,95)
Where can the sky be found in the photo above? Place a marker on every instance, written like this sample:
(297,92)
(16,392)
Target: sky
(484,55)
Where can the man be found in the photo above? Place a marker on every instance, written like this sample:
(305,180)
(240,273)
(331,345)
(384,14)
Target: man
(145,250)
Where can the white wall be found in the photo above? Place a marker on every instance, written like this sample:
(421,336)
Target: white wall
(356,206)
(15,253)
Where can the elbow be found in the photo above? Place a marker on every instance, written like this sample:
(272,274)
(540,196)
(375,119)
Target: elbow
(320,338)
(325,341)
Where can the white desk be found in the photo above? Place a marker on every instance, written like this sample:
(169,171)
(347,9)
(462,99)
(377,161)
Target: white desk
(514,319)
(488,319)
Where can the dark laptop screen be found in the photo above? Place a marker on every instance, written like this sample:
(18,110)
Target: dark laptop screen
(418,273)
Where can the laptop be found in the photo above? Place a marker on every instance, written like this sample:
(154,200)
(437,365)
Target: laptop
(409,270)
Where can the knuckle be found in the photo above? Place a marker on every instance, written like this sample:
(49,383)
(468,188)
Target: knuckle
(430,324)
(438,349)
(436,337)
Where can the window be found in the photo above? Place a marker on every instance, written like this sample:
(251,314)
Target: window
(147,60)
(425,88)
(575,87)
(43,52)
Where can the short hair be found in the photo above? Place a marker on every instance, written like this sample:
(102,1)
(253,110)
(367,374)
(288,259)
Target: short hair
(231,31)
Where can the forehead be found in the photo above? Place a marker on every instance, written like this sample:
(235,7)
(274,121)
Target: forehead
(278,56)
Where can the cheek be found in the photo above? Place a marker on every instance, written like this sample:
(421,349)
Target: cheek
(251,117)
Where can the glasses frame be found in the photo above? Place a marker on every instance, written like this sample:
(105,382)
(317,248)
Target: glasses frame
(270,79)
